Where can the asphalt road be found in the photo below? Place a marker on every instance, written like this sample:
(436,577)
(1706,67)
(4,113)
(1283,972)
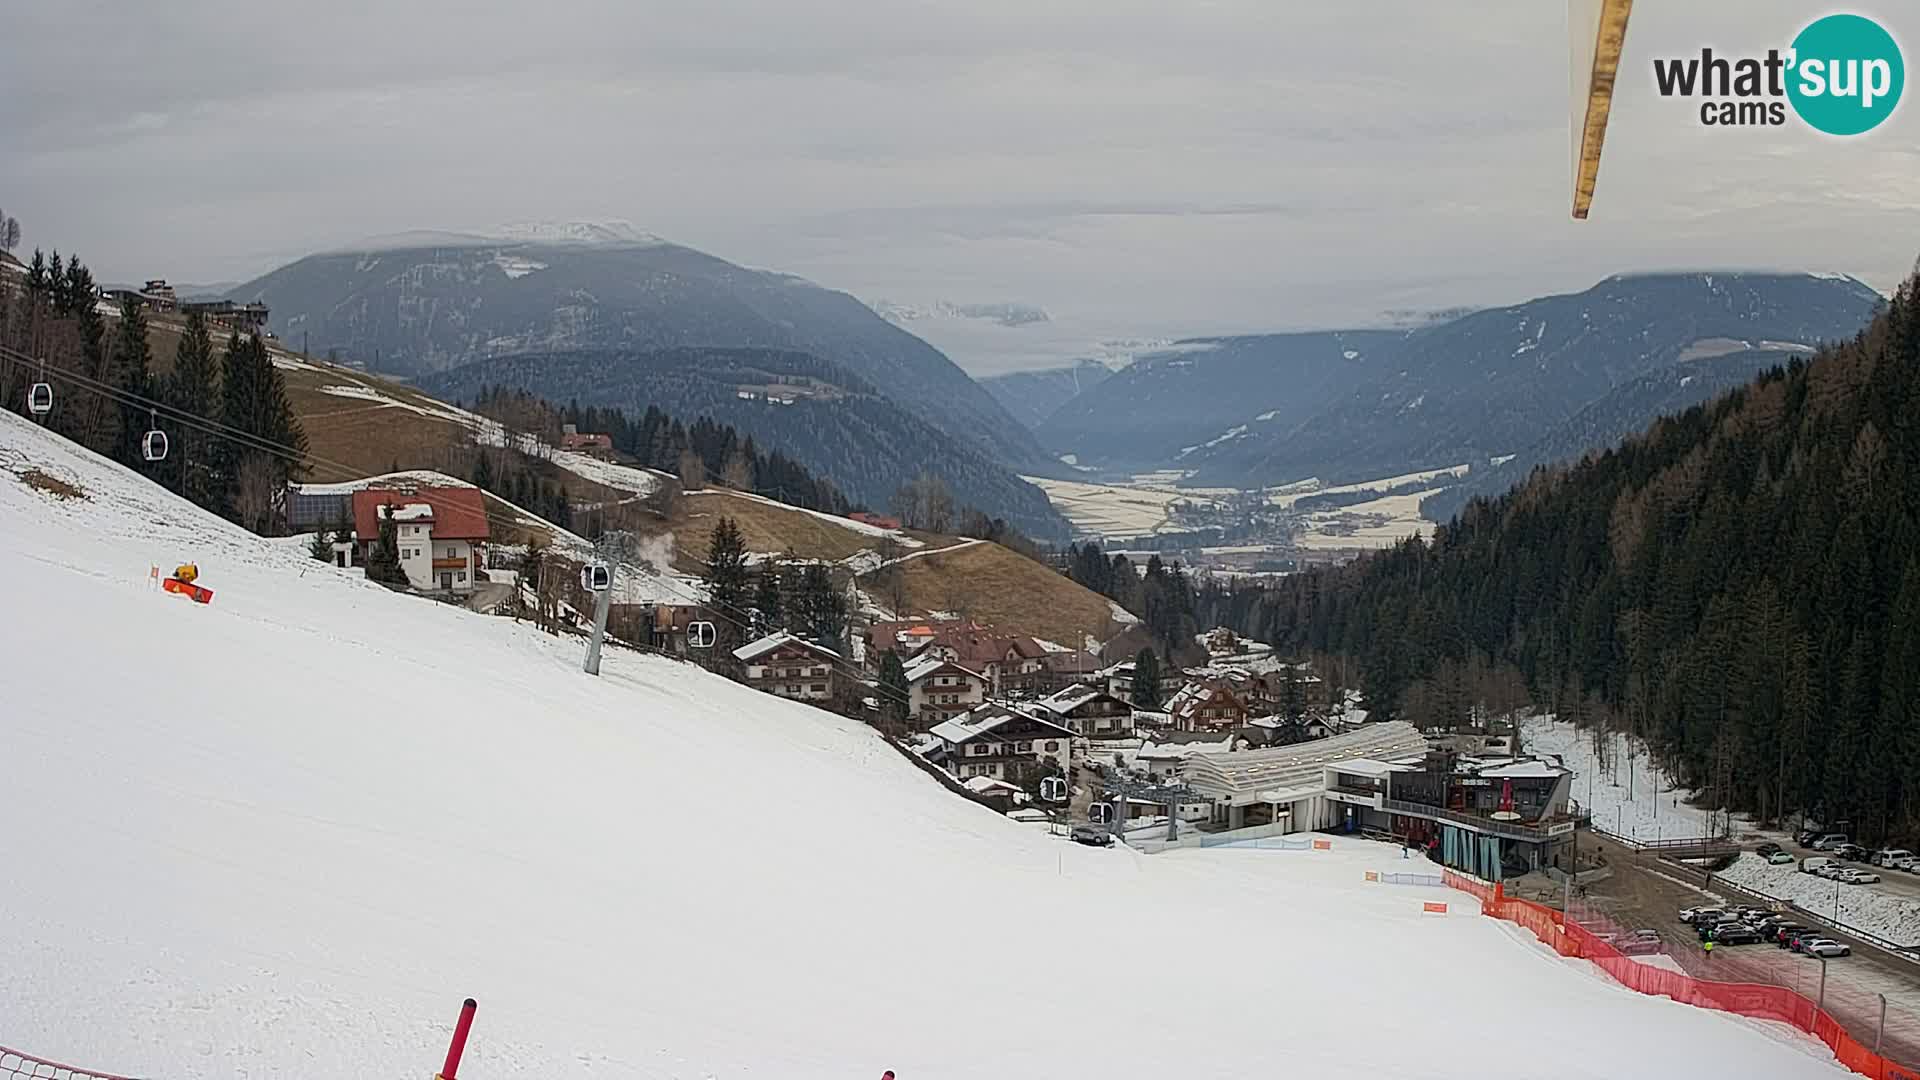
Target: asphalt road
(1644,894)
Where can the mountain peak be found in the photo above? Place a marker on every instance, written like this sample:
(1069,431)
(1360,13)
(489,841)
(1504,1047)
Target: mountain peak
(579,234)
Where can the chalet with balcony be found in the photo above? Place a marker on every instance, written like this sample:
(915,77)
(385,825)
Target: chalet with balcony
(791,667)
(939,689)
(1088,711)
(1000,742)
(1209,703)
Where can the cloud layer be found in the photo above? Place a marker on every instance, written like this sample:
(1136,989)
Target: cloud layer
(1141,168)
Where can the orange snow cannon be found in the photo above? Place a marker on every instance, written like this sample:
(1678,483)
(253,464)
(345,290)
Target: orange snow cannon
(182,583)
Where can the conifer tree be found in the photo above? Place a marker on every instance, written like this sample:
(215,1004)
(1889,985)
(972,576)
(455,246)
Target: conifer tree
(767,606)
(1146,680)
(894,691)
(726,574)
(133,370)
(194,390)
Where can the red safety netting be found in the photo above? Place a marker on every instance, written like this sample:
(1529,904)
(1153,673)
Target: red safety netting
(15,1065)
(1747,999)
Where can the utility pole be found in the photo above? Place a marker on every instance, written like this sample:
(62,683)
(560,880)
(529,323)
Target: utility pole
(1880,1032)
(1821,1005)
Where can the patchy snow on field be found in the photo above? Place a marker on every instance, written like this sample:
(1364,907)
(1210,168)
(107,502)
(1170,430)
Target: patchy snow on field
(369,394)
(1622,796)
(848,524)
(1884,915)
(405,477)
(284,834)
(1377,523)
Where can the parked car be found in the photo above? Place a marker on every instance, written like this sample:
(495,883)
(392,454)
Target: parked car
(1859,877)
(1707,931)
(1736,935)
(1092,835)
(1806,837)
(1826,948)
(1800,941)
(1782,930)
(1888,858)
(1851,852)
(1780,858)
(1829,841)
(1688,915)
(1813,864)
(1767,848)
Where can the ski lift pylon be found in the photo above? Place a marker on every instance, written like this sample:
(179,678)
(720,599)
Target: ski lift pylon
(40,398)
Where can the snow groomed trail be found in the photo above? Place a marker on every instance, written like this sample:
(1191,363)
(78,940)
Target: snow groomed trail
(283,834)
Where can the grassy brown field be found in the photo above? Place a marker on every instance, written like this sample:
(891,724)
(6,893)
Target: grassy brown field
(769,527)
(991,585)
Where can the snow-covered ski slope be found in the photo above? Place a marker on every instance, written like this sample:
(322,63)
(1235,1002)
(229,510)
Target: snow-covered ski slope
(283,835)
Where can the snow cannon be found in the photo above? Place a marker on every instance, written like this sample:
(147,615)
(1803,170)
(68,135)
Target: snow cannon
(182,583)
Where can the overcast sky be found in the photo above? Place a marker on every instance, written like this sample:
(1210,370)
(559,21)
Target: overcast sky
(1137,169)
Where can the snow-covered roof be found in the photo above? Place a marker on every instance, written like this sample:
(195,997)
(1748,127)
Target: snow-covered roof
(1242,775)
(1072,698)
(986,785)
(412,512)
(1368,767)
(1525,770)
(986,719)
(1181,751)
(923,666)
(771,642)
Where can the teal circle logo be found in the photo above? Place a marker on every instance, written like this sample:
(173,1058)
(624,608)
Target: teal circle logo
(1847,74)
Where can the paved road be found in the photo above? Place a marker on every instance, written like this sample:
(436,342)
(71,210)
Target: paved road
(1645,895)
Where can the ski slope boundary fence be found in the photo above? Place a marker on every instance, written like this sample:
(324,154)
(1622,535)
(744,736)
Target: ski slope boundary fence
(1761,1002)
(15,1065)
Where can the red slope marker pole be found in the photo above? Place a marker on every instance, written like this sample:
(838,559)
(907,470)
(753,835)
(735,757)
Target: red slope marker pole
(459,1044)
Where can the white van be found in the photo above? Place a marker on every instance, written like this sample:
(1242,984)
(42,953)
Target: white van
(1814,864)
(1892,858)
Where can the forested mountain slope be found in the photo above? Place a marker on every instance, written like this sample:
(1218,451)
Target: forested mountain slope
(1498,381)
(1624,412)
(420,306)
(1032,396)
(834,422)
(1741,584)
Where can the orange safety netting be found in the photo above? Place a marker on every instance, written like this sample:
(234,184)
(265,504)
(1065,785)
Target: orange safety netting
(1747,999)
(15,1065)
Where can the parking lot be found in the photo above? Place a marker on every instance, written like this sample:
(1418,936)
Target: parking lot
(1892,882)
(1642,894)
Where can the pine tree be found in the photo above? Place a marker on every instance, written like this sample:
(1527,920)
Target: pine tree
(894,691)
(768,609)
(133,366)
(383,560)
(822,609)
(1146,680)
(321,547)
(726,574)
(194,390)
